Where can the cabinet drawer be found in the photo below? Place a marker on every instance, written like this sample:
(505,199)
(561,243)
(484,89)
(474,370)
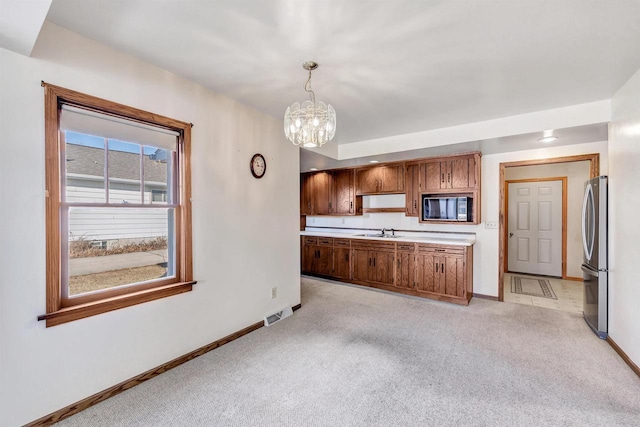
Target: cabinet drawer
(344,243)
(310,240)
(373,245)
(325,241)
(406,247)
(438,249)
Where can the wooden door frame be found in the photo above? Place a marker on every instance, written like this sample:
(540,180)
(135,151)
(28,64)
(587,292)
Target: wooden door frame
(594,171)
(564,181)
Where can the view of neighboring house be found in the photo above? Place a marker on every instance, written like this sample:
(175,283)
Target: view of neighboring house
(86,183)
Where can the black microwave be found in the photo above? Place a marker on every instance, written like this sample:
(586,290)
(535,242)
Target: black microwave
(443,208)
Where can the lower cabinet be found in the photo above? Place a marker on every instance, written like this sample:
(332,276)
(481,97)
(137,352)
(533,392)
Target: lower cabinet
(373,263)
(428,270)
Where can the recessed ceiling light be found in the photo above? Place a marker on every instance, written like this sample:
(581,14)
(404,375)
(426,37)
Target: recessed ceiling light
(374,161)
(313,169)
(547,136)
(548,139)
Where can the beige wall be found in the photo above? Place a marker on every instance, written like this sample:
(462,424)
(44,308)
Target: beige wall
(624,226)
(245,230)
(576,173)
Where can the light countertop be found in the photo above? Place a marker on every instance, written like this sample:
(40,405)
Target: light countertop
(458,240)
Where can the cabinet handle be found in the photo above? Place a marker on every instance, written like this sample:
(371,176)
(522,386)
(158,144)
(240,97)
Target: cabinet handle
(369,262)
(346,257)
(415,204)
(374,262)
(440,250)
(351,205)
(448,177)
(441,268)
(442,177)
(437,267)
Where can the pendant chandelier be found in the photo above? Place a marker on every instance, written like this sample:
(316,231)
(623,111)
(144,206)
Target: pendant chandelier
(311,124)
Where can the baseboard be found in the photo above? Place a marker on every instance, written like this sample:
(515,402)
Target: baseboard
(624,356)
(575,279)
(83,404)
(482,296)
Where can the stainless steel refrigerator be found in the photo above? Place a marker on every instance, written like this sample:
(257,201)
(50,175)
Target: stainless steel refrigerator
(595,265)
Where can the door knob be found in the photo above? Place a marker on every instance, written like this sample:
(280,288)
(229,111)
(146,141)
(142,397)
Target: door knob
(510,234)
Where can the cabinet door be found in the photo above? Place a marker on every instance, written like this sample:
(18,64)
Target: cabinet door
(463,173)
(343,192)
(324,262)
(452,275)
(382,267)
(433,176)
(309,255)
(427,273)
(405,270)
(392,179)
(361,259)
(322,193)
(368,181)
(341,263)
(306,194)
(412,186)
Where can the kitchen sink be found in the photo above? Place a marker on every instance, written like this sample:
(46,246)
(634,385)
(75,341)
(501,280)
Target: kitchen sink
(386,236)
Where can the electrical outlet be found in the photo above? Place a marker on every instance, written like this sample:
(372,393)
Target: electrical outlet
(491,225)
(274,292)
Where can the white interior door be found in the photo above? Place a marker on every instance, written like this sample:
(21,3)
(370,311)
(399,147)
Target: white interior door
(535,227)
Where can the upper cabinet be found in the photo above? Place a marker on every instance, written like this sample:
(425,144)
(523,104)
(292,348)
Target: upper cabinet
(344,200)
(454,173)
(443,175)
(329,193)
(382,179)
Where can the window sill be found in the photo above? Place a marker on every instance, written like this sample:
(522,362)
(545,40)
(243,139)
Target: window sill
(80,311)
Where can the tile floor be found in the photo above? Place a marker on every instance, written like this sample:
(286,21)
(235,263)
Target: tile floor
(569,293)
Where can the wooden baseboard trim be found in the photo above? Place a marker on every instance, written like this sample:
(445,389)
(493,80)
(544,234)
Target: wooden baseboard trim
(482,296)
(624,356)
(83,404)
(575,279)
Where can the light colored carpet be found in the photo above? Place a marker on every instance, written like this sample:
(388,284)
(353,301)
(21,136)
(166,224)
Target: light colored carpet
(357,357)
(532,286)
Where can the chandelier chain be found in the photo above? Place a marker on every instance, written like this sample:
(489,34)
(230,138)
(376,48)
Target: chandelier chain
(307,88)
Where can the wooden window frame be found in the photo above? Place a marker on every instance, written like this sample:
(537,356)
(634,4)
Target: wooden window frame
(60,310)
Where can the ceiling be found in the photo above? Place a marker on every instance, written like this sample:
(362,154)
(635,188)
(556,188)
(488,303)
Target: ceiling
(387,67)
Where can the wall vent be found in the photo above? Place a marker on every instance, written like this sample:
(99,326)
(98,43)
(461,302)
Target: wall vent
(277,316)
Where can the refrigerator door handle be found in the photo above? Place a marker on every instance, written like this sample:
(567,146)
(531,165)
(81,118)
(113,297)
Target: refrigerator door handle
(588,194)
(589,270)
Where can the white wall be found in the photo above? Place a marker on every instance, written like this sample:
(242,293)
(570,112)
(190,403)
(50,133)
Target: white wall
(576,173)
(485,251)
(245,231)
(624,228)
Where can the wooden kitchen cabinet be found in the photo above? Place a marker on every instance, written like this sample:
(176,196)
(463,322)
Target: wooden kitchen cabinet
(412,187)
(454,173)
(322,204)
(306,193)
(373,262)
(445,272)
(433,271)
(405,266)
(317,256)
(383,179)
(342,259)
(345,201)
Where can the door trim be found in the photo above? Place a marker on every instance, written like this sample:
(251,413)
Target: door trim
(594,172)
(564,180)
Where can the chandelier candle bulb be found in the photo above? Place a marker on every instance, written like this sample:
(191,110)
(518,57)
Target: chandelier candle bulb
(311,124)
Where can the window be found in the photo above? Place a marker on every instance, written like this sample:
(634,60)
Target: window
(118,206)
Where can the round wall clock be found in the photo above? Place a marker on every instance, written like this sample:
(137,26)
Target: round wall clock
(258,165)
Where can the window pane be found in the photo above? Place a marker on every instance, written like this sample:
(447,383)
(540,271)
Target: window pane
(158,167)
(111,247)
(123,170)
(84,168)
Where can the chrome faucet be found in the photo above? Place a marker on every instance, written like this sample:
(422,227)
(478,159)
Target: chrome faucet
(393,232)
(384,230)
